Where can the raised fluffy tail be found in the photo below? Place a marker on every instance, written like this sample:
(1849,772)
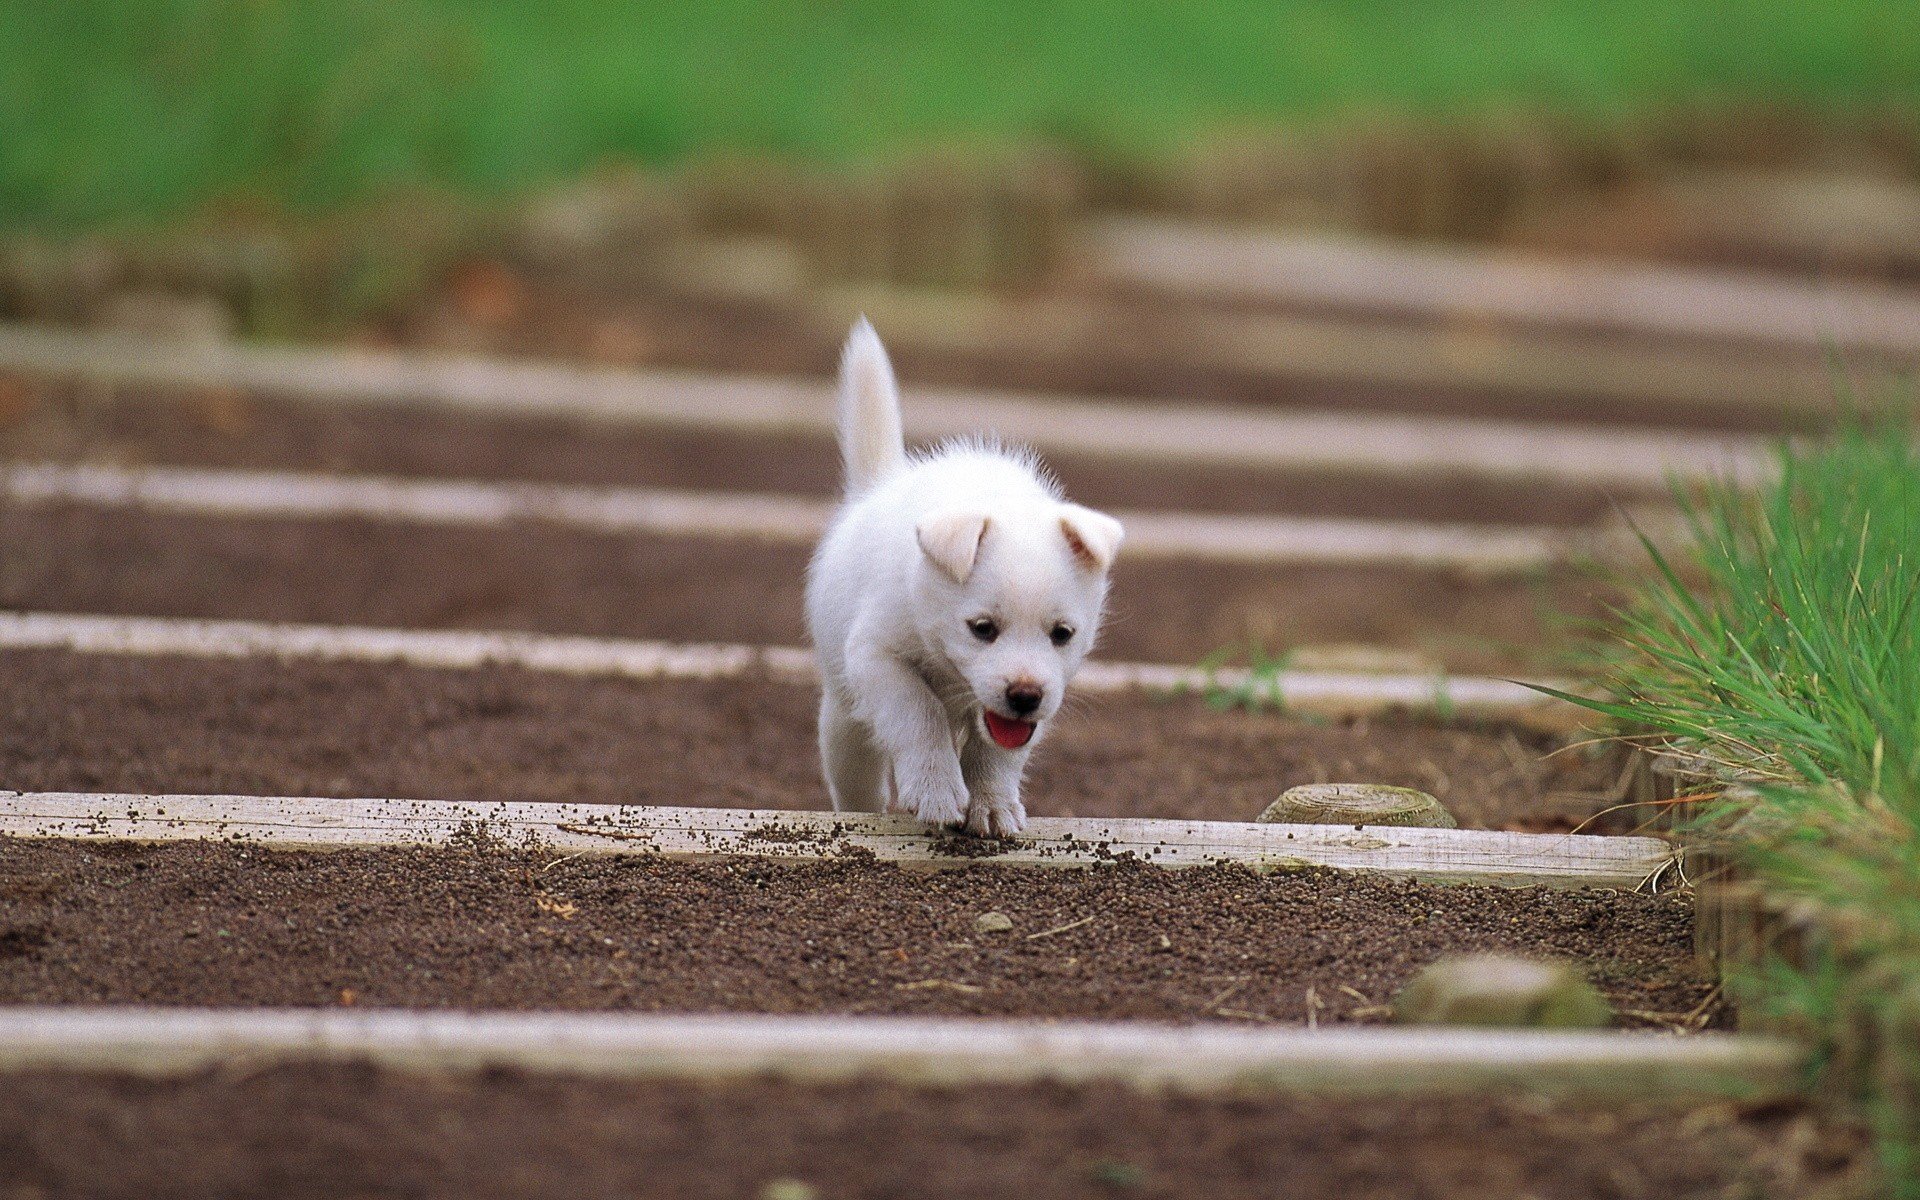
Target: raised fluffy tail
(871,446)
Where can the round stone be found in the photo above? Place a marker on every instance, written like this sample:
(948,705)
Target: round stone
(1357,804)
(1504,991)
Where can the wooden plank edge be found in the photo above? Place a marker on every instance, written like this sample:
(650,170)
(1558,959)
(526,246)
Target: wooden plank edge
(1249,336)
(1331,694)
(1349,272)
(776,518)
(1139,430)
(953,1052)
(304,823)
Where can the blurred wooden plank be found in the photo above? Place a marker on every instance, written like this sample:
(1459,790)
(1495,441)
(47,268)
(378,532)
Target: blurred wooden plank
(447,649)
(1331,694)
(910,1050)
(1170,433)
(1504,366)
(1206,262)
(761,517)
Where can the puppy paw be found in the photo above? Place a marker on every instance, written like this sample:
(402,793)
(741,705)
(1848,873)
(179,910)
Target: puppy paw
(998,817)
(936,797)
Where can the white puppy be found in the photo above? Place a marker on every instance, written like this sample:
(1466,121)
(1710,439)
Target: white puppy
(954,596)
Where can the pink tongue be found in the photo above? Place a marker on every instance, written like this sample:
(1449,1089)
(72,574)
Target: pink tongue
(1011,734)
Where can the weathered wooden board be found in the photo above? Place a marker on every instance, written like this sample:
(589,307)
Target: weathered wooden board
(1244,336)
(939,1052)
(763,517)
(452,649)
(1329,694)
(1643,459)
(1437,855)
(1219,263)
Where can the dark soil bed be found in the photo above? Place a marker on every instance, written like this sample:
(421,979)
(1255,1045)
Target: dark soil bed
(40,421)
(558,580)
(218,924)
(266,727)
(353,1130)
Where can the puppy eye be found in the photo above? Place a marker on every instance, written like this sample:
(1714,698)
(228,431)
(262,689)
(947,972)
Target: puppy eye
(984,628)
(1061,635)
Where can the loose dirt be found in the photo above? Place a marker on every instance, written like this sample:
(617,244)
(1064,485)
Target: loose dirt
(220,924)
(354,1130)
(559,580)
(43,421)
(268,727)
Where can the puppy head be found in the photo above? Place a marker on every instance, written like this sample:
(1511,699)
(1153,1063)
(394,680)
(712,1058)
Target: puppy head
(1013,599)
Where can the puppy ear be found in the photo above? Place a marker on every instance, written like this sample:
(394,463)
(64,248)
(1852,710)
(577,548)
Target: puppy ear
(1094,537)
(952,541)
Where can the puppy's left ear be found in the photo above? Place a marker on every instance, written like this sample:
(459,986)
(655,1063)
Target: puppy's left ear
(951,541)
(1094,537)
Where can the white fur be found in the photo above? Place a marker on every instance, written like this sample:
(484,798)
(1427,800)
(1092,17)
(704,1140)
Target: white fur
(871,447)
(921,547)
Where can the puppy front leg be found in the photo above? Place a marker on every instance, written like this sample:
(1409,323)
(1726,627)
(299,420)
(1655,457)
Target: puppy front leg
(911,728)
(856,775)
(993,779)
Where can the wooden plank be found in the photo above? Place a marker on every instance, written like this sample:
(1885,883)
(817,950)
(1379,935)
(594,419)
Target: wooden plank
(1216,262)
(1643,459)
(912,1050)
(446,649)
(1322,693)
(762,517)
(1480,549)
(1437,855)
(1503,366)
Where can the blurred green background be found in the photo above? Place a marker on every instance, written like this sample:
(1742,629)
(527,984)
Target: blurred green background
(113,112)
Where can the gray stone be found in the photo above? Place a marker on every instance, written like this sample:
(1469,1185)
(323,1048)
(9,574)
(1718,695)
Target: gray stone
(1504,991)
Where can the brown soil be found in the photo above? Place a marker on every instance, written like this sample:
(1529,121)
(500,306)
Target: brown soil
(559,580)
(264,727)
(354,1130)
(207,923)
(226,429)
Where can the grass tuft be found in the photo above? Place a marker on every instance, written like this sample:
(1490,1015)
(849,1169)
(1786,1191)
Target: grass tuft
(1800,657)
(1783,646)
(1263,686)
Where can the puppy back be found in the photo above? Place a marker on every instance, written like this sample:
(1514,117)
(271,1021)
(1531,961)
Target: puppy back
(871,445)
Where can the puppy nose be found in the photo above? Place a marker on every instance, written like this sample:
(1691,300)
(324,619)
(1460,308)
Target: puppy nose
(1023,698)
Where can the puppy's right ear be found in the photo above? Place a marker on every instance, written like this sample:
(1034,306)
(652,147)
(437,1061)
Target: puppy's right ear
(1093,537)
(952,541)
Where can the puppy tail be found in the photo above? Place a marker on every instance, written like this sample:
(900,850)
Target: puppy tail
(871,446)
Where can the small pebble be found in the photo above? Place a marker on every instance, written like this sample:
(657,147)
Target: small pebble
(993,922)
(789,1189)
